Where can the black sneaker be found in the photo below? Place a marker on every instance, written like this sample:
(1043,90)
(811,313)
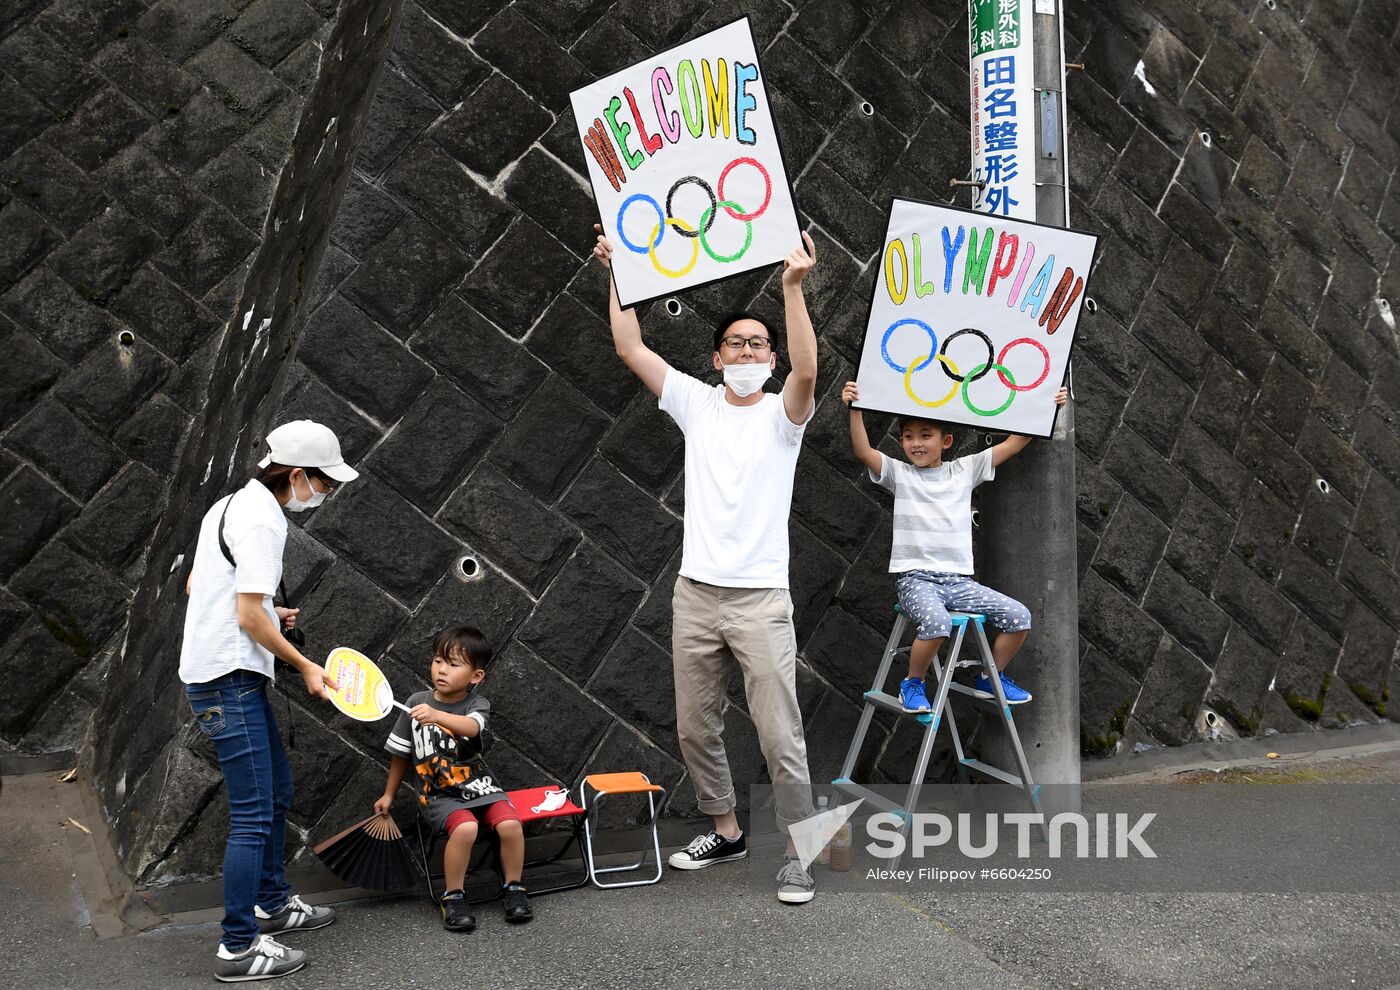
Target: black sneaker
(517,905)
(262,960)
(456,915)
(707,850)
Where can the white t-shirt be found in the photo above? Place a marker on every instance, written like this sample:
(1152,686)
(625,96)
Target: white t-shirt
(739,465)
(933,511)
(256,532)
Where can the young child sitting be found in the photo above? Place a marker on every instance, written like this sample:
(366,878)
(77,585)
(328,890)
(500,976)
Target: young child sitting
(932,547)
(442,731)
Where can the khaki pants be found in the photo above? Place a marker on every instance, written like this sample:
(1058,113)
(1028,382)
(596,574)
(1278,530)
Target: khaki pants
(756,624)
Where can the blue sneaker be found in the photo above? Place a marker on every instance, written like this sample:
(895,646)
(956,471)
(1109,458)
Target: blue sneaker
(911,693)
(1015,694)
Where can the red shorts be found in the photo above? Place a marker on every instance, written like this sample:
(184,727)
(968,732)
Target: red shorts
(494,814)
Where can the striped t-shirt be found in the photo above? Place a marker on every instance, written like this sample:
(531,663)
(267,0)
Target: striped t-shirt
(933,511)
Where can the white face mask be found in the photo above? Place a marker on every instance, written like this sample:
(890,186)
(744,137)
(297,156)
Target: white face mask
(295,504)
(746,379)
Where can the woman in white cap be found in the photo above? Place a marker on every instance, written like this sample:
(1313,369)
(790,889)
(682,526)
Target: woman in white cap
(232,633)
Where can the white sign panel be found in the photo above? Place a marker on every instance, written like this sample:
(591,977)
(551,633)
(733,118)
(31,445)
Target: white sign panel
(972,318)
(1003,107)
(683,155)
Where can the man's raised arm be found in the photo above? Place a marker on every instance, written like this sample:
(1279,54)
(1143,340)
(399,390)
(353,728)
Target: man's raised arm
(645,363)
(801,386)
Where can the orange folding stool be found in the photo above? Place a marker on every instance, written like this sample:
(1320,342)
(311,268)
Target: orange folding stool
(592,791)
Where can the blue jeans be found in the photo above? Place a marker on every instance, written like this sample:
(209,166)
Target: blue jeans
(235,713)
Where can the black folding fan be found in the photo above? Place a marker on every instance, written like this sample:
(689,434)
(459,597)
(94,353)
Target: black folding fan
(371,854)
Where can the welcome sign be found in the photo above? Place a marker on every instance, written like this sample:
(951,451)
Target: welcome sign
(683,156)
(972,318)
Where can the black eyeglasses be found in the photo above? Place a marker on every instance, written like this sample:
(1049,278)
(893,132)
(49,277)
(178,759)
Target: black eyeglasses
(756,344)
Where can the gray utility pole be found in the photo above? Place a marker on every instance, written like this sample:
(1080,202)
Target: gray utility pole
(1029,549)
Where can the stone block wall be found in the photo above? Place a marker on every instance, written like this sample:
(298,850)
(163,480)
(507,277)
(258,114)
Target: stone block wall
(1237,158)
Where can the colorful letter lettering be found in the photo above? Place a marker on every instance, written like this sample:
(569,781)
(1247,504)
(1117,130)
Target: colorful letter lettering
(650,142)
(620,132)
(1005,262)
(670,120)
(691,104)
(744,101)
(896,247)
(717,96)
(950,253)
(975,264)
(921,288)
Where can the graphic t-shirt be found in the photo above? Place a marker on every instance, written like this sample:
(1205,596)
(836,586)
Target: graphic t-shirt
(452,772)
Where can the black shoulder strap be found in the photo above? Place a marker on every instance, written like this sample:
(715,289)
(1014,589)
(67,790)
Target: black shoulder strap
(228,554)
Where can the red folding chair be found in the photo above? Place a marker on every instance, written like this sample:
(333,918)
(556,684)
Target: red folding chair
(489,853)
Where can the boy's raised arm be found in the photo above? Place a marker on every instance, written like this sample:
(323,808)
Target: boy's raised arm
(645,363)
(1014,444)
(860,440)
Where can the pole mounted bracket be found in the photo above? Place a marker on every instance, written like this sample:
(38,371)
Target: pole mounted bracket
(955,183)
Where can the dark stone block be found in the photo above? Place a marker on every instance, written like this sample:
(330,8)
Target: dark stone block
(47,307)
(1096,494)
(1265,531)
(1210,467)
(1347,338)
(1292,338)
(836,511)
(540,448)
(1117,626)
(1353,284)
(400,112)
(339,342)
(1199,540)
(197,132)
(578,346)
(441,437)
(1299,221)
(153,436)
(40,63)
(1115,351)
(35,664)
(366,215)
(1172,340)
(646,445)
(1378,444)
(593,589)
(807,81)
(1261,174)
(1184,281)
(1243,675)
(827,27)
(816,574)
(1158,406)
(1195,224)
(524,271)
(146,76)
(307,397)
(1146,474)
(863,149)
(21,116)
(845,650)
(98,129)
(1206,173)
(1359,230)
(336,266)
(530,58)
(1262,116)
(1191,617)
(406,277)
(271,29)
(1372,580)
(488,365)
(116,525)
(841,210)
(1223,402)
(182,27)
(906,34)
(102,257)
(1316,592)
(1324,526)
(1132,220)
(558,737)
(35,510)
(1314,178)
(654,617)
(1366,659)
(1172,693)
(1106,696)
(26,372)
(493,126)
(1377,522)
(1121,278)
(624,520)
(565,20)
(1283,400)
(1274,463)
(1335,461)
(1254,604)
(551,196)
(24,240)
(304,562)
(82,603)
(1131,547)
(60,445)
(375,529)
(1100,110)
(1235,339)
(1098,408)
(346,607)
(893,94)
(150,190)
(50,184)
(205,251)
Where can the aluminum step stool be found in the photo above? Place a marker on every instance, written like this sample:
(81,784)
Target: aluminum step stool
(877,698)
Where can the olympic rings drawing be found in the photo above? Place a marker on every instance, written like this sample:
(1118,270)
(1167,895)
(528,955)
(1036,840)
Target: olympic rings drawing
(1002,357)
(986,366)
(925,361)
(666,220)
(947,363)
(1005,373)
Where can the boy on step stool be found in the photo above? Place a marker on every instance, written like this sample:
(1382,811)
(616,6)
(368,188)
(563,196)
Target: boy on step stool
(932,546)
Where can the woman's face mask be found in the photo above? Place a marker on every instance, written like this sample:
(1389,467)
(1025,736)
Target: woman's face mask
(295,503)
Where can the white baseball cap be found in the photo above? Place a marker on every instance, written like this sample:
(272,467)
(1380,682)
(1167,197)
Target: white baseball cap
(304,443)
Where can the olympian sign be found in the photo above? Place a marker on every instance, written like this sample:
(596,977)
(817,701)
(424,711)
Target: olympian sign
(683,155)
(972,318)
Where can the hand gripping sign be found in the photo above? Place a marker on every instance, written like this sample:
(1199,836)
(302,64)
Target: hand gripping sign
(683,155)
(972,318)
(364,693)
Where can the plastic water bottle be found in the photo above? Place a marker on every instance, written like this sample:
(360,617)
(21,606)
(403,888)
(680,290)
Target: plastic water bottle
(823,814)
(840,846)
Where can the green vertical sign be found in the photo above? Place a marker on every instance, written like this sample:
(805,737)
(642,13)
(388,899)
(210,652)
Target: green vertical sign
(995,24)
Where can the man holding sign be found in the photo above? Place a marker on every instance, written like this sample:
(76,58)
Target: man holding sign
(741,447)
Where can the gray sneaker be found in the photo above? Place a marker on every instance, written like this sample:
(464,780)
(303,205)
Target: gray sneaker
(795,884)
(296,913)
(263,960)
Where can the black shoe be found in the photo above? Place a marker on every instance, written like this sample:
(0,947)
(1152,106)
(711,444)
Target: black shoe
(456,915)
(517,905)
(707,850)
